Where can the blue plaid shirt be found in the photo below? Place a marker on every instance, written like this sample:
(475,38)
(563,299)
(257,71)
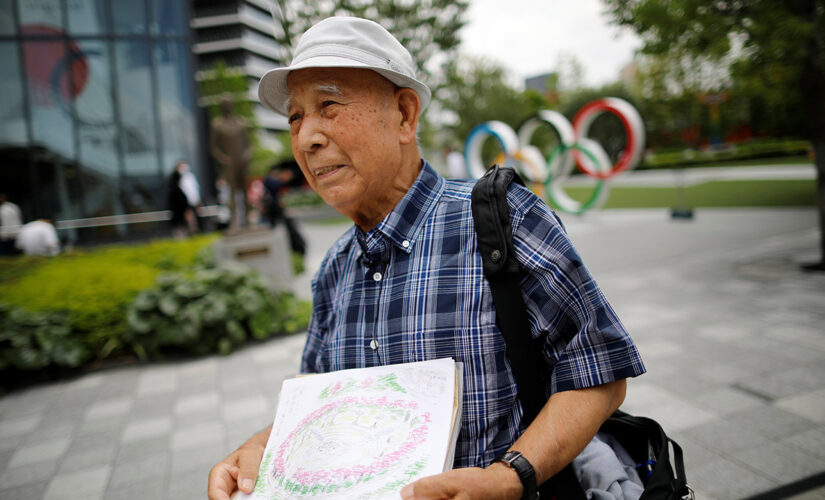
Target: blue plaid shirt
(414,287)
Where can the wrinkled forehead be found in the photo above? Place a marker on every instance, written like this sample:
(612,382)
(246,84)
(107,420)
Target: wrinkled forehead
(337,81)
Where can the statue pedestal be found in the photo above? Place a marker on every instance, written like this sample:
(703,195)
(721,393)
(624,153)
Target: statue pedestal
(264,249)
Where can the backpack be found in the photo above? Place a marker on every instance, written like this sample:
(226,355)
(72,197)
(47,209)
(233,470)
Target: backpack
(643,438)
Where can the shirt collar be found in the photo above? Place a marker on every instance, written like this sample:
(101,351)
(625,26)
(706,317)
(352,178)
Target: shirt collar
(402,226)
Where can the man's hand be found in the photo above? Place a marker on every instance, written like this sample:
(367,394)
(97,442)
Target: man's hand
(239,470)
(496,482)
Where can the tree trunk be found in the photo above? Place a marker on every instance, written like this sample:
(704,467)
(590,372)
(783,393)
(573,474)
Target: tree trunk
(813,92)
(819,159)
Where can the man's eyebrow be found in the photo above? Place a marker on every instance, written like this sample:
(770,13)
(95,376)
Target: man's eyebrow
(329,88)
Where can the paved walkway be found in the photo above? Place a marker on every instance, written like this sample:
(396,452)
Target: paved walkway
(731,331)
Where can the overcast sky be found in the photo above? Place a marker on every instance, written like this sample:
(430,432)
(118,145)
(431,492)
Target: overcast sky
(527,37)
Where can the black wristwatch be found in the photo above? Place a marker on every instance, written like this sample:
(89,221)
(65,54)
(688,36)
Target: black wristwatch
(518,463)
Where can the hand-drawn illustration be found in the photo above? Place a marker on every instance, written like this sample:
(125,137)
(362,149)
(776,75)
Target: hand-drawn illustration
(359,434)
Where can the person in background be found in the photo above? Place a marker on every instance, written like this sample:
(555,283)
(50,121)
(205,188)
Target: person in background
(279,177)
(38,237)
(179,205)
(10,221)
(190,187)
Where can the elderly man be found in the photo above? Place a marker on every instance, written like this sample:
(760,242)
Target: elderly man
(406,282)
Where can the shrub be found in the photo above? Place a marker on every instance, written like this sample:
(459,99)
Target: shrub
(36,340)
(210,309)
(94,287)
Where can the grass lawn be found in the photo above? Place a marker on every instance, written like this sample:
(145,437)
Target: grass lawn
(729,193)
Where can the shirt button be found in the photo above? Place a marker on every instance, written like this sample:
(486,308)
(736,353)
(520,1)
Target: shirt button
(373,345)
(376,277)
(405,244)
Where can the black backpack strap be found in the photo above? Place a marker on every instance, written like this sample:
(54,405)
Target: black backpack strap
(491,215)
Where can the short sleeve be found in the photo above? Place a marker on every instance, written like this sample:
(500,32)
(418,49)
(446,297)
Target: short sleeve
(584,342)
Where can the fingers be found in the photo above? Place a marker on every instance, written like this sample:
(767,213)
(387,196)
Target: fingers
(249,460)
(429,488)
(222,481)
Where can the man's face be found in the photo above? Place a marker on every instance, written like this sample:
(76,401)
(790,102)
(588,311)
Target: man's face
(344,126)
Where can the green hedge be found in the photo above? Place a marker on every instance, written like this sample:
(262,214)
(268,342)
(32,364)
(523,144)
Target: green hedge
(77,308)
(745,151)
(209,309)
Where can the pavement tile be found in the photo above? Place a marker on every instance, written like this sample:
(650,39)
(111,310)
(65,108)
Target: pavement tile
(780,462)
(770,421)
(104,438)
(192,485)
(5,457)
(149,490)
(241,408)
(200,435)
(811,442)
(726,400)
(157,381)
(12,443)
(88,458)
(197,459)
(153,406)
(108,425)
(809,405)
(107,408)
(197,369)
(60,430)
(27,474)
(144,448)
(86,484)
(727,480)
(197,402)
(28,492)
(19,426)
(149,469)
(148,428)
(723,436)
(42,452)
(818,494)
(767,386)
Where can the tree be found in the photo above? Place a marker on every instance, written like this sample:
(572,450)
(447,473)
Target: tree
(476,91)
(424,27)
(775,45)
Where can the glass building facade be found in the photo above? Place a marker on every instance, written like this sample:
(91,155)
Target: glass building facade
(97,103)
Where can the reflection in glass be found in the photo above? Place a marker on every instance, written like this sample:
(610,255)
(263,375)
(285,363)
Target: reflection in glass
(177,116)
(12,117)
(7,26)
(48,66)
(129,18)
(97,133)
(169,18)
(135,105)
(86,17)
(40,13)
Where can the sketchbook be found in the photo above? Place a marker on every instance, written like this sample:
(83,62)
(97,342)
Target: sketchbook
(362,433)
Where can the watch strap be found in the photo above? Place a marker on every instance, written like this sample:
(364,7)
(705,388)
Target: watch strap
(526,474)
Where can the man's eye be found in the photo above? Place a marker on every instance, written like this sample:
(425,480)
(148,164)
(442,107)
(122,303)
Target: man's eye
(328,103)
(293,117)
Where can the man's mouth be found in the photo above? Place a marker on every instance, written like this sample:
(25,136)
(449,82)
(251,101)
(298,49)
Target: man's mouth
(325,170)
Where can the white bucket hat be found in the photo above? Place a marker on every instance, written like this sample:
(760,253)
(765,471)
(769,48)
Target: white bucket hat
(345,42)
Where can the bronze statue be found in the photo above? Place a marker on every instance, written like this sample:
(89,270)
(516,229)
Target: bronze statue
(231,147)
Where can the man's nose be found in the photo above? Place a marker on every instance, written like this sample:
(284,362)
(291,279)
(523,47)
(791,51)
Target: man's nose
(311,135)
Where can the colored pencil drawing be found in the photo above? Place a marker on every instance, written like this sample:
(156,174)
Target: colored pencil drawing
(356,437)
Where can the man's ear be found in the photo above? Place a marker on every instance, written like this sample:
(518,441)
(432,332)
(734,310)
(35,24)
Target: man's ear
(409,107)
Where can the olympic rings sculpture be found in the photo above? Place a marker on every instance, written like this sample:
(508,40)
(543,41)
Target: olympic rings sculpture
(574,148)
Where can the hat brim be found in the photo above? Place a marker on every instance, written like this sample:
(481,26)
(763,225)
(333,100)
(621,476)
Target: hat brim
(273,92)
